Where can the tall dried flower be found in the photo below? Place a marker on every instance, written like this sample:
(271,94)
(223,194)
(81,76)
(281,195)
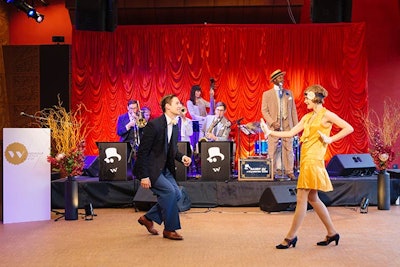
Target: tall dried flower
(383,131)
(68,133)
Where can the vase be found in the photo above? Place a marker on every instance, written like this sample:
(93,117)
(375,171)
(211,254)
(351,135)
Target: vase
(71,198)
(383,190)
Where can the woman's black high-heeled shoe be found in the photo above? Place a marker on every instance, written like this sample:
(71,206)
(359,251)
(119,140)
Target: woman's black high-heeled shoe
(290,242)
(329,239)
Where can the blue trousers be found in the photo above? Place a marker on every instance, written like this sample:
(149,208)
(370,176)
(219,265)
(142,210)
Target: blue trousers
(166,209)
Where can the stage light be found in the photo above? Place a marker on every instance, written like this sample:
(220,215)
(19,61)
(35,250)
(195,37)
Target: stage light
(28,9)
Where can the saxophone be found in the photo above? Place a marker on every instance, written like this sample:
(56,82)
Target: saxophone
(210,129)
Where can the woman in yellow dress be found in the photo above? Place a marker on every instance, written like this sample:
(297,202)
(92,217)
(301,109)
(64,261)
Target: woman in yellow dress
(316,126)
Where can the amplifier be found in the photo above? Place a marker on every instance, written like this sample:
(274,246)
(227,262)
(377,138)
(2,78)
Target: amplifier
(255,170)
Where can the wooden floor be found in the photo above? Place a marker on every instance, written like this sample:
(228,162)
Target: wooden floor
(228,236)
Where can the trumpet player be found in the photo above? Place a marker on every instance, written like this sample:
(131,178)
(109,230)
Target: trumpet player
(217,127)
(185,126)
(128,130)
(146,112)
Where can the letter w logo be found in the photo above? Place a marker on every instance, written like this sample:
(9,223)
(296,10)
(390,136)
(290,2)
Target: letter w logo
(217,169)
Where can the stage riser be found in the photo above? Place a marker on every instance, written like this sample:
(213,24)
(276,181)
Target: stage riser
(110,194)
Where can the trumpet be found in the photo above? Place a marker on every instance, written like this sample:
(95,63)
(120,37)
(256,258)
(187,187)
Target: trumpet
(183,110)
(140,121)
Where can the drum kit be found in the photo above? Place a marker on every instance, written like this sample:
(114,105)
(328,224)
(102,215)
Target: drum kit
(260,149)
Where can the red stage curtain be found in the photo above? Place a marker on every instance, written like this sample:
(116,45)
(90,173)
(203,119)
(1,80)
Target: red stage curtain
(147,62)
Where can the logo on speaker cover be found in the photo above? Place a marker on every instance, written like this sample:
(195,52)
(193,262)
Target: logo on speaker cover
(16,153)
(112,158)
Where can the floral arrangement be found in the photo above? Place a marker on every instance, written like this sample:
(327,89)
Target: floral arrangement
(68,132)
(383,132)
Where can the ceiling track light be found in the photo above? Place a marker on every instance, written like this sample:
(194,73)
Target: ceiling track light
(28,9)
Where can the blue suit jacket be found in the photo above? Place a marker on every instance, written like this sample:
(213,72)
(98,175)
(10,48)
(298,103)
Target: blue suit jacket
(121,129)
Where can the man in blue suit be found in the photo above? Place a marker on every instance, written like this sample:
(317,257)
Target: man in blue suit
(128,130)
(155,167)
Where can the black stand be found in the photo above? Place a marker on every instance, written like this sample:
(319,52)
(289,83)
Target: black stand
(71,200)
(383,190)
(281,177)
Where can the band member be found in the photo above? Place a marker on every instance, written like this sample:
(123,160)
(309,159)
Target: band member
(279,112)
(155,167)
(146,112)
(217,127)
(185,126)
(128,130)
(197,109)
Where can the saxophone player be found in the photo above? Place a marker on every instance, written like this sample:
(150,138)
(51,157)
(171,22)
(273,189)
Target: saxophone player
(217,127)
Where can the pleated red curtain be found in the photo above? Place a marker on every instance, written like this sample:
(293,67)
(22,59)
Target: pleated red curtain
(147,62)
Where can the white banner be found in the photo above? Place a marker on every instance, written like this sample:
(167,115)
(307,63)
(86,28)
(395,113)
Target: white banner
(26,175)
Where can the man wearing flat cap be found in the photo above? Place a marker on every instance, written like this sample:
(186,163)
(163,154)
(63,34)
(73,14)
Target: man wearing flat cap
(279,112)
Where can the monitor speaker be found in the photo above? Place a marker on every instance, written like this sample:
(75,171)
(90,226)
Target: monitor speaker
(181,170)
(144,199)
(96,15)
(351,165)
(91,167)
(278,198)
(325,11)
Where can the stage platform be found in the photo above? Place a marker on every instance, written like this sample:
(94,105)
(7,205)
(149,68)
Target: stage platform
(348,191)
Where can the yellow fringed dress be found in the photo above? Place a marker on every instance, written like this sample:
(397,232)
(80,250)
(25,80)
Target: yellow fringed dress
(313,174)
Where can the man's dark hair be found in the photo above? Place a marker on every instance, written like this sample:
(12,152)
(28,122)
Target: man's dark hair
(166,100)
(132,101)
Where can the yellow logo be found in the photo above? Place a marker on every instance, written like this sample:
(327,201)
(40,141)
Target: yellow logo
(16,153)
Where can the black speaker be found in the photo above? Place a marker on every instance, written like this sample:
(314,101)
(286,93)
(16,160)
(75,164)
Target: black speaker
(96,15)
(144,199)
(351,165)
(278,198)
(91,167)
(54,75)
(325,11)
(181,170)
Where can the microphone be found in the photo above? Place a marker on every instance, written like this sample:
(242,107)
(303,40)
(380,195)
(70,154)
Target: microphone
(280,89)
(26,115)
(32,116)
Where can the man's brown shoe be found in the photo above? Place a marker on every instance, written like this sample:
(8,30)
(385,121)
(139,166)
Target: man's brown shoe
(291,176)
(149,225)
(172,235)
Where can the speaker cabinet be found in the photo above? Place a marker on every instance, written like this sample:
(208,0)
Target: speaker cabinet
(96,15)
(181,170)
(278,198)
(325,11)
(144,199)
(351,165)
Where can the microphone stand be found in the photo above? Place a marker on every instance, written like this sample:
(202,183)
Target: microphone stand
(238,150)
(281,129)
